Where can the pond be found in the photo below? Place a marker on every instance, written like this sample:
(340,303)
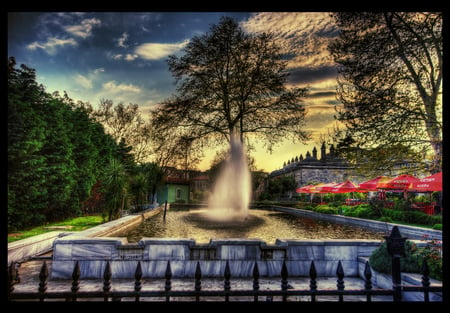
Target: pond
(266,225)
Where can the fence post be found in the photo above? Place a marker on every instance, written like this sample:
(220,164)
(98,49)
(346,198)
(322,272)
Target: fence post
(396,249)
(168,285)
(226,284)
(284,281)
(256,280)
(107,274)
(165,210)
(312,280)
(425,280)
(137,280)
(198,281)
(75,281)
(368,282)
(340,281)
(43,275)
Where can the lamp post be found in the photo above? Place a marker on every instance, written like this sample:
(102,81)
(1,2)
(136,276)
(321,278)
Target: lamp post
(396,249)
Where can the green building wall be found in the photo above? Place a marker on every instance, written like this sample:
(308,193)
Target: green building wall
(169,193)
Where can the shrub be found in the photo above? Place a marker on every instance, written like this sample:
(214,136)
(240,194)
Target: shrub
(381,261)
(325,209)
(386,219)
(437,226)
(432,252)
(361,210)
(412,262)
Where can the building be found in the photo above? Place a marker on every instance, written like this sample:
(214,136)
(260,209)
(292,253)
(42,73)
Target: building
(330,167)
(327,168)
(181,186)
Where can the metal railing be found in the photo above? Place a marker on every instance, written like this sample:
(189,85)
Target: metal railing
(286,293)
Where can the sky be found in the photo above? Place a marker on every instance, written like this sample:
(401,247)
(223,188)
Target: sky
(122,56)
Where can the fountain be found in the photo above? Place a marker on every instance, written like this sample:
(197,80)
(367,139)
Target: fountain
(231,193)
(227,209)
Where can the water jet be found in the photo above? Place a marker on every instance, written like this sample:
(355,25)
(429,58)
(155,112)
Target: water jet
(231,192)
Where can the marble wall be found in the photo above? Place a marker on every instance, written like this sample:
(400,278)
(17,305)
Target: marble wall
(184,254)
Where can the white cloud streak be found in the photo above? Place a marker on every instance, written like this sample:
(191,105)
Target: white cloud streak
(156,51)
(303,34)
(121,41)
(113,87)
(51,45)
(84,29)
(83,81)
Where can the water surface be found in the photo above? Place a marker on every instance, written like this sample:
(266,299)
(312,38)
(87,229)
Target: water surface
(260,224)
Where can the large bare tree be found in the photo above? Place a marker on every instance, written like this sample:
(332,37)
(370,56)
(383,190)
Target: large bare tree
(125,123)
(390,67)
(230,81)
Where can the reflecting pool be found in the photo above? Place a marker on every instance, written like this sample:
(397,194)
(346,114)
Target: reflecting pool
(266,225)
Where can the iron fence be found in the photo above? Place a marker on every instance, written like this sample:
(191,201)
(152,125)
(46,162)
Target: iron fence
(285,293)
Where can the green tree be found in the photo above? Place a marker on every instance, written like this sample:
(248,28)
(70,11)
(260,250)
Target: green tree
(56,152)
(390,71)
(115,184)
(229,81)
(26,135)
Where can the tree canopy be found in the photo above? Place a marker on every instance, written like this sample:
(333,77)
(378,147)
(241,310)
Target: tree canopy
(390,67)
(228,80)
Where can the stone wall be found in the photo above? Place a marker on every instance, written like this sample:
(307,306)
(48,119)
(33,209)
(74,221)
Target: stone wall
(183,254)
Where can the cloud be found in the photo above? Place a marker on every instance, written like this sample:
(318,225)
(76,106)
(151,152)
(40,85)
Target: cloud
(302,35)
(130,57)
(156,51)
(113,87)
(99,70)
(126,57)
(83,81)
(121,41)
(51,45)
(84,29)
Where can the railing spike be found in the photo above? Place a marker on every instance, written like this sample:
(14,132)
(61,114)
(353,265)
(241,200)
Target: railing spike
(107,274)
(425,280)
(312,280)
(284,281)
(340,280)
(256,280)
(137,280)
(43,276)
(76,280)
(168,284)
(367,279)
(198,281)
(227,276)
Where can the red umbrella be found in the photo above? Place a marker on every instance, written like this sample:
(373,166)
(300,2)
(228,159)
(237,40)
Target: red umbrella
(318,188)
(304,189)
(371,184)
(344,187)
(429,183)
(400,182)
(325,188)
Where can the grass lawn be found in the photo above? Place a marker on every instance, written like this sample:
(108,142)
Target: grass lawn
(73,224)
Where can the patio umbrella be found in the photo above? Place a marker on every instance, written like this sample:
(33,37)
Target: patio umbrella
(371,184)
(344,187)
(304,189)
(401,182)
(429,183)
(325,188)
(317,189)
